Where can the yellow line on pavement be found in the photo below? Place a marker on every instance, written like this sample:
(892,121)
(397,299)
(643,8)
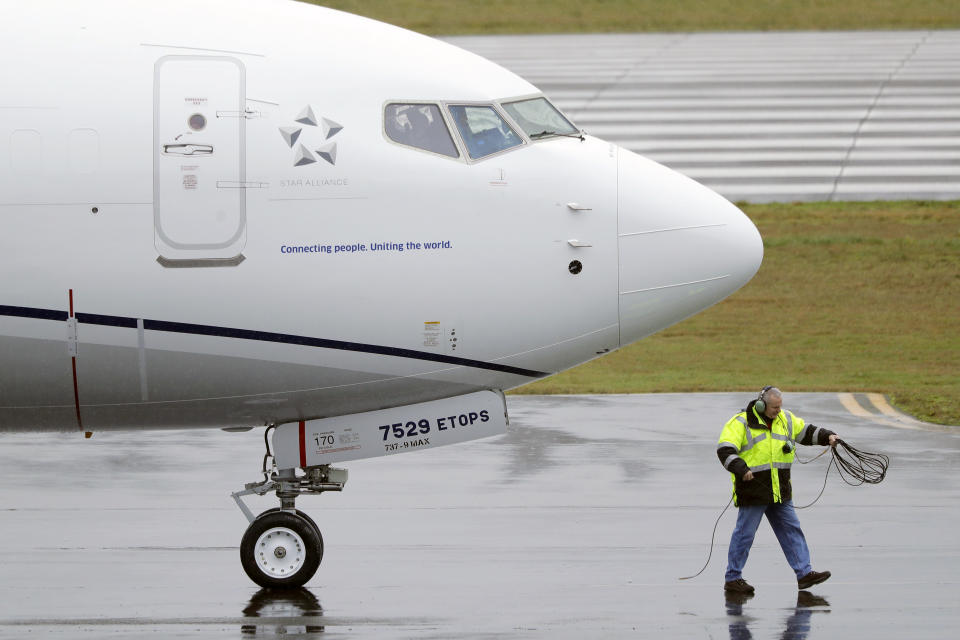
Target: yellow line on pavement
(881,403)
(850,404)
(891,417)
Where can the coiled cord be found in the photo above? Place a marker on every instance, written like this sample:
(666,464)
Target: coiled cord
(862,467)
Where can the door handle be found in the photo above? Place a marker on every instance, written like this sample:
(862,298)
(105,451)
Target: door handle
(188,149)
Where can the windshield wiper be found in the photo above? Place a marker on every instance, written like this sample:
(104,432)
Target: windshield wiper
(544,134)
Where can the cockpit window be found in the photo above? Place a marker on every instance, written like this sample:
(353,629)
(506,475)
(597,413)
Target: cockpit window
(420,126)
(539,119)
(483,130)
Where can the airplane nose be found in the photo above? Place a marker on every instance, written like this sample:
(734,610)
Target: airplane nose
(682,247)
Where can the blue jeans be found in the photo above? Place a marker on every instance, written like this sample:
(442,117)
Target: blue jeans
(786,526)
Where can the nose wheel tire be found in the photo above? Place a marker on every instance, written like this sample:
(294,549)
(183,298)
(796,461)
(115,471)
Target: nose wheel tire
(281,549)
(302,514)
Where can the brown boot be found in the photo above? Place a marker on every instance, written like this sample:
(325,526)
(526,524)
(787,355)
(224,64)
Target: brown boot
(738,586)
(812,578)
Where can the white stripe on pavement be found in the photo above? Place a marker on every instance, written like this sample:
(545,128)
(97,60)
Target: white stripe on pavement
(763,116)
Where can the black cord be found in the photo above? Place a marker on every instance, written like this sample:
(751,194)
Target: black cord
(863,467)
(712,536)
(825,475)
(798,458)
(266,443)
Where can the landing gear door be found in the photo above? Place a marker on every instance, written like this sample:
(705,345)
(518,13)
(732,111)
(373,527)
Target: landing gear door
(199,202)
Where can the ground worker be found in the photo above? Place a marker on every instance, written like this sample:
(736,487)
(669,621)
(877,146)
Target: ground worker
(757,447)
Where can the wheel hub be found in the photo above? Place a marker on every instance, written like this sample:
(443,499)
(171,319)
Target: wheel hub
(280,552)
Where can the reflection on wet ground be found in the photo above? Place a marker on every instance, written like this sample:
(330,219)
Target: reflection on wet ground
(282,612)
(796,626)
(575,524)
(532,450)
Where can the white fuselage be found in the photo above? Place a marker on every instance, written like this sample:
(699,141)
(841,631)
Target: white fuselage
(171,259)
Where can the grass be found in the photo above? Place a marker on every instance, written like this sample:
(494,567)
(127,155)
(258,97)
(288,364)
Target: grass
(850,297)
(577,16)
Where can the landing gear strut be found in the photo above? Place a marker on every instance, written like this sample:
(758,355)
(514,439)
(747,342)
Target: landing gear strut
(283,547)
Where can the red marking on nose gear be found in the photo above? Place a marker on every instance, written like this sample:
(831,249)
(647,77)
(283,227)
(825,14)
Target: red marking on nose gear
(303,443)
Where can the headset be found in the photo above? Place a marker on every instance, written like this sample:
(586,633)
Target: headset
(761,404)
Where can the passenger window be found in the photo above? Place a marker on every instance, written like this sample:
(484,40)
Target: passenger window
(420,126)
(483,130)
(539,119)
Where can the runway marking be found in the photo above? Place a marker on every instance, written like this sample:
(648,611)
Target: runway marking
(890,417)
(881,403)
(697,101)
(850,404)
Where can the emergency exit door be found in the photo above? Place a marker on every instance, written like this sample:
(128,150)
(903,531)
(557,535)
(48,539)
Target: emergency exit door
(199,171)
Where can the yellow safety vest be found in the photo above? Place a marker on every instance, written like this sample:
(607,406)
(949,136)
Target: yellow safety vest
(762,449)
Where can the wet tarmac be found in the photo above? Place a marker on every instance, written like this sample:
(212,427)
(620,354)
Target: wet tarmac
(575,524)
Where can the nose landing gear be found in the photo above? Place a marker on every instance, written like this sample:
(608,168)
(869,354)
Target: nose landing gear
(283,547)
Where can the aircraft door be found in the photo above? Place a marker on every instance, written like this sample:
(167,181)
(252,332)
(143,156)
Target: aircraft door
(199,159)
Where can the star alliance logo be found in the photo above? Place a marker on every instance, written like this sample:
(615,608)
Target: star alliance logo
(328,128)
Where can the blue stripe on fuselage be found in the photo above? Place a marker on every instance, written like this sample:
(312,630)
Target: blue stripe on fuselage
(264,336)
